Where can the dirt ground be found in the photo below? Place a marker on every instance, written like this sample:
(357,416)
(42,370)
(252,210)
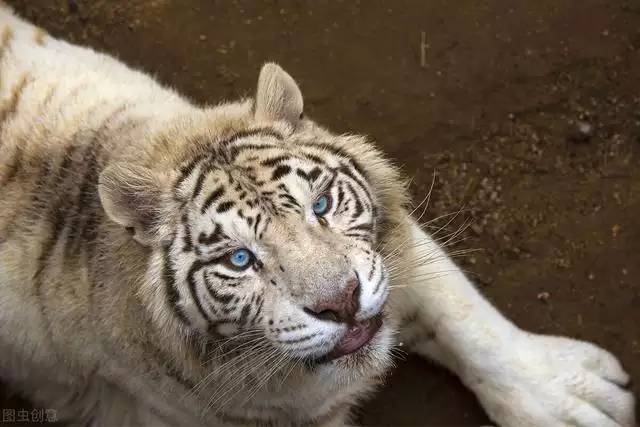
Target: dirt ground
(528,113)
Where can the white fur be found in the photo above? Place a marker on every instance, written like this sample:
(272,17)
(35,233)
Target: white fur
(521,379)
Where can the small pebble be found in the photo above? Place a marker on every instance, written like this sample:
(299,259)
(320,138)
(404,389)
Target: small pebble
(543,296)
(582,133)
(477,229)
(615,230)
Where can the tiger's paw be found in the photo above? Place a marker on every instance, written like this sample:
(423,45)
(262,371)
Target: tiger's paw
(552,381)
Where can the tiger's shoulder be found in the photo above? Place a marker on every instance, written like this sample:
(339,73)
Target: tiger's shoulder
(51,90)
(29,55)
(65,110)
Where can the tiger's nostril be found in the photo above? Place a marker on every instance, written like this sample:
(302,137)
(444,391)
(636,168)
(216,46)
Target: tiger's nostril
(353,289)
(342,307)
(326,314)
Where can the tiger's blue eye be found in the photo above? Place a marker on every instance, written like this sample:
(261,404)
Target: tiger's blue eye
(241,258)
(322,205)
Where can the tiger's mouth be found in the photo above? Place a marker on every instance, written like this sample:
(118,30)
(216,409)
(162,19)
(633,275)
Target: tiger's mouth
(357,336)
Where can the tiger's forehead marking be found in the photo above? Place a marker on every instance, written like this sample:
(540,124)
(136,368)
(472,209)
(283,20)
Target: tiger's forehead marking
(259,158)
(265,147)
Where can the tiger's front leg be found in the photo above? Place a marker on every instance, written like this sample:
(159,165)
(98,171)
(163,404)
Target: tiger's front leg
(521,379)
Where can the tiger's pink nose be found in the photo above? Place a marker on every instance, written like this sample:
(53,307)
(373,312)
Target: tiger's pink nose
(342,307)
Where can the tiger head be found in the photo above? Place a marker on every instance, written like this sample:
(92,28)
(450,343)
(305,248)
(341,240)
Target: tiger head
(263,222)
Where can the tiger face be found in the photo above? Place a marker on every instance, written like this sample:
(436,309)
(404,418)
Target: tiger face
(281,240)
(275,231)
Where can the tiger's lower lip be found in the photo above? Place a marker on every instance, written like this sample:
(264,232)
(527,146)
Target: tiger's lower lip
(356,337)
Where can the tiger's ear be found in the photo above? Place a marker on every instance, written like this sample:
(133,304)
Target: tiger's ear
(139,199)
(278,96)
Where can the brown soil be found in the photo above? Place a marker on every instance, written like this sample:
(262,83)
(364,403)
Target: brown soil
(528,112)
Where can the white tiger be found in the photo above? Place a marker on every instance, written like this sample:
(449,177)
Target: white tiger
(163,263)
